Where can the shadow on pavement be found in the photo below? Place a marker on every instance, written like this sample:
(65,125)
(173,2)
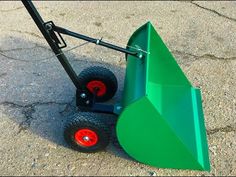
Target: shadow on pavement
(43,91)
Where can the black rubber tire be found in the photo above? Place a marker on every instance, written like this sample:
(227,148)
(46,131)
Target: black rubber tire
(90,121)
(101,74)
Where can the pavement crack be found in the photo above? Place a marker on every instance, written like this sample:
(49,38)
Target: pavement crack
(28,111)
(47,103)
(2,53)
(3,74)
(9,10)
(213,57)
(12,58)
(213,11)
(18,49)
(184,53)
(205,56)
(29,33)
(226,129)
(18,8)
(12,104)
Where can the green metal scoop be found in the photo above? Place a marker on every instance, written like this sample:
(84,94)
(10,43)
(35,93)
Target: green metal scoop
(162,121)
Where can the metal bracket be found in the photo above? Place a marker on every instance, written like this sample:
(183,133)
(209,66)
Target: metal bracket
(86,101)
(56,36)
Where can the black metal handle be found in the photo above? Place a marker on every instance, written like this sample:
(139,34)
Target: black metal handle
(61,57)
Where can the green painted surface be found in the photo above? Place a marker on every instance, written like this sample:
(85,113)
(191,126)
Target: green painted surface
(162,123)
(136,69)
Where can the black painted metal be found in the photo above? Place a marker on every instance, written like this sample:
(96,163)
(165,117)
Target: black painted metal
(93,40)
(48,30)
(61,57)
(103,108)
(54,35)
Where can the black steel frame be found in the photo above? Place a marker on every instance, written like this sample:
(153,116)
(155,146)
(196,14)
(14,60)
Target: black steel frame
(52,34)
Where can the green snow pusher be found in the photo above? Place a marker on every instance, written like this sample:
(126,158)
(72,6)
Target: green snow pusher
(160,117)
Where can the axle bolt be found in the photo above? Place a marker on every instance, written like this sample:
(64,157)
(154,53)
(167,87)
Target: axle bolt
(83,95)
(140,55)
(48,26)
(86,138)
(87,102)
(118,107)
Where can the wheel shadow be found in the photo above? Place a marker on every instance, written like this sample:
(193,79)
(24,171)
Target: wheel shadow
(51,97)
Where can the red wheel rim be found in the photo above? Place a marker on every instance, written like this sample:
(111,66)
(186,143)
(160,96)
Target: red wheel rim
(98,86)
(86,137)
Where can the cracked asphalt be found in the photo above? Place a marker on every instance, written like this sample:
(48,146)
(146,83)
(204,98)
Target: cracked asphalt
(37,95)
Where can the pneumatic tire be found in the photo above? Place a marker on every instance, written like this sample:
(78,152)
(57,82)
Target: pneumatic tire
(85,132)
(100,81)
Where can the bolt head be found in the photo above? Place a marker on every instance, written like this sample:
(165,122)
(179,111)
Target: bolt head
(86,138)
(140,55)
(83,95)
(118,107)
(48,26)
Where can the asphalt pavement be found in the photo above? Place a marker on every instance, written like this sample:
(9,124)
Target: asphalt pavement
(37,95)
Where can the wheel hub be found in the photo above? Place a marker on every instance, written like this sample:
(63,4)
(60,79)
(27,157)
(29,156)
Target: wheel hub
(86,137)
(97,87)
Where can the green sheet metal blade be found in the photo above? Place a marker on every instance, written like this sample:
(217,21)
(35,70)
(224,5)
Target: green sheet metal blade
(162,123)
